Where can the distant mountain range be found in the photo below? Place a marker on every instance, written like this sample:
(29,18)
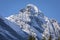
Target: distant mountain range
(29,24)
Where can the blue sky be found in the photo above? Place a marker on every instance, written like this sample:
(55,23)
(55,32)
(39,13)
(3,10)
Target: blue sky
(50,8)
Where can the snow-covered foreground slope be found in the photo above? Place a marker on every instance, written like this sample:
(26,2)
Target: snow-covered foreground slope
(11,31)
(30,21)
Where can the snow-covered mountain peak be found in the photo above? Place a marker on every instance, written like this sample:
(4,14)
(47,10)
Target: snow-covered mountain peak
(30,10)
(32,21)
(24,14)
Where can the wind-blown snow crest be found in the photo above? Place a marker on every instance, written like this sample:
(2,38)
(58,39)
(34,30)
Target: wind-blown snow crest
(33,6)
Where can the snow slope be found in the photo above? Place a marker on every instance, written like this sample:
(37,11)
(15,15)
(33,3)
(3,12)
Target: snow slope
(11,31)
